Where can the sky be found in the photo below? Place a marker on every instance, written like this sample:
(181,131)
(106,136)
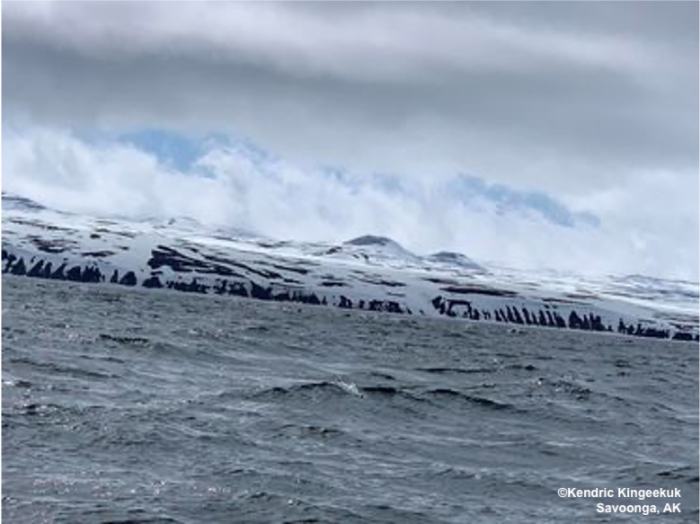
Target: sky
(559,135)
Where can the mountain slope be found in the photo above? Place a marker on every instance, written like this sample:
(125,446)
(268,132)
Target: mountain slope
(367,273)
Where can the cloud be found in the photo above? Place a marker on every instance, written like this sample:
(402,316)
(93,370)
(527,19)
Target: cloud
(551,97)
(576,122)
(236,184)
(64,172)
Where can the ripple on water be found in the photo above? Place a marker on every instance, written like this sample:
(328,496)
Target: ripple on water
(168,408)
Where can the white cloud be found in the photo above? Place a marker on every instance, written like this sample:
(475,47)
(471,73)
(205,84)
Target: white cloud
(227,185)
(547,96)
(63,172)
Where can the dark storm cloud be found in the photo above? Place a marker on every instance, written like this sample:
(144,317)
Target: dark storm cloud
(516,91)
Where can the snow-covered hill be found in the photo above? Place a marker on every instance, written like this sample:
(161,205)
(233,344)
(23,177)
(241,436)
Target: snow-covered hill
(367,273)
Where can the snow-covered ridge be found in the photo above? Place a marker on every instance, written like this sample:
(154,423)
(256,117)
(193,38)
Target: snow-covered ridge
(367,273)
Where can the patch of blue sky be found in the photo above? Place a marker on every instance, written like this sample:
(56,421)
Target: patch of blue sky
(174,150)
(182,152)
(470,188)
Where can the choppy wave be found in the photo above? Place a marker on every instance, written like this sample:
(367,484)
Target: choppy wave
(122,406)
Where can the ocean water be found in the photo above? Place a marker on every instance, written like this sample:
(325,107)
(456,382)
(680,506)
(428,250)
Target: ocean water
(135,406)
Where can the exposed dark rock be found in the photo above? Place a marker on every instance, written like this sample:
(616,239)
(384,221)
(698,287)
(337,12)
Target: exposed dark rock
(188,287)
(560,322)
(597,323)
(152,282)
(518,318)
(299,270)
(165,256)
(550,319)
(58,274)
(74,274)
(97,254)
(46,272)
(92,275)
(575,321)
(19,268)
(299,296)
(479,290)
(585,324)
(260,292)
(385,305)
(625,330)
(370,240)
(655,333)
(330,283)
(129,279)
(220,287)
(37,270)
(641,331)
(681,335)
(51,246)
(345,302)
(221,264)
(381,282)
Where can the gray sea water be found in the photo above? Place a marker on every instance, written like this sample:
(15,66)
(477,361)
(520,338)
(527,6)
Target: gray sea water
(133,406)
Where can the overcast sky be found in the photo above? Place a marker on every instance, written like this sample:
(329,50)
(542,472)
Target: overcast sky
(547,134)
